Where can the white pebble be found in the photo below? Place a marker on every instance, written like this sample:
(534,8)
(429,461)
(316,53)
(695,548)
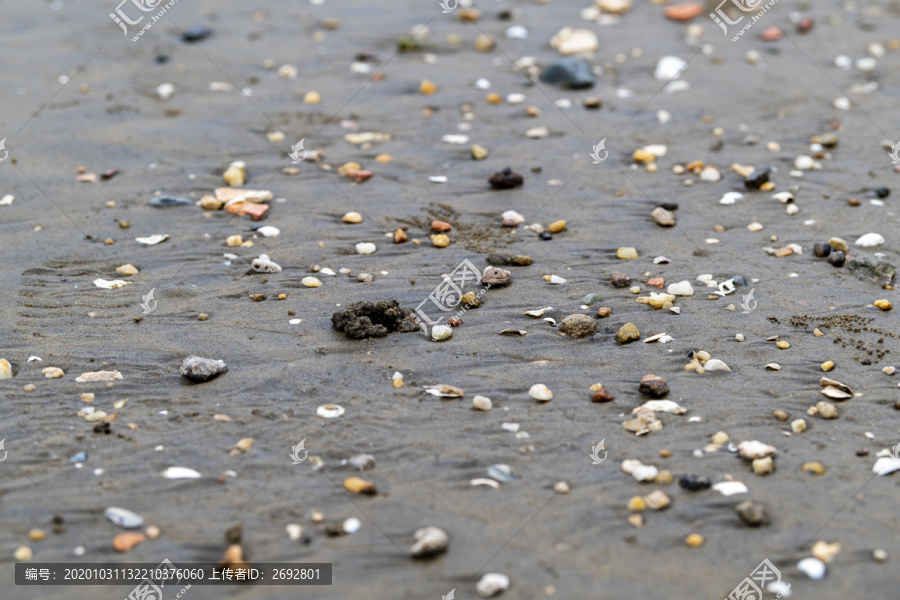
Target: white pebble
(682,288)
(813,567)
(440,333)
(482,403)
(842,103)
(866,64)
(842,61)
(365,248)
(311,282)
(517,32)
(515,98)
(268,231)
(869,240)
(730,197)
(540,392)
(165,90)
(492,584)
(669,67)
(483,84)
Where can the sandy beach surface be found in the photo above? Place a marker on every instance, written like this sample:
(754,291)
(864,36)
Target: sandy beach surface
(78,94)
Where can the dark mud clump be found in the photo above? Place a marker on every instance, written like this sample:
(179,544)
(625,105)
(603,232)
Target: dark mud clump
(374,319)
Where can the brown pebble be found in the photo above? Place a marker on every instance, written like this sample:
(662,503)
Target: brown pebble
(126,542)
(440,226)
(603,312)
(813,467)
(358,485)
(602,395)
(400,236)
(683,11)
(665,453)
(781,415)
(653,385)
(620,280)
(258,297)
(853,202)
(37,535)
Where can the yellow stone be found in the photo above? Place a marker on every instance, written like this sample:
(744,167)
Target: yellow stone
(479,152)
(695,540)
(441,240)
(37,535)
(493,98)
(720,438)
(234,240)
(312,97)
(626,252)
(427,87)
(642,156)
(657,500)
(209,202)
(827,365)
(127,270)
(556,226)
(817,332)
(5,369)
(883,304)
(664,478)
(813,467)
(23,554)
(637,503)
(783,345)
(636,521)
(352,217)
(234,176)
(52,372)
(763,466)
(384,158)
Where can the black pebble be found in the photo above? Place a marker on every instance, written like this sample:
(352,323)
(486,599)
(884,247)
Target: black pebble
(505,179)
(196,33)
(694,483)
(822,249)
(669,205)
(837,258)
(161,59)
(757,178)
(546,235)
(882,192)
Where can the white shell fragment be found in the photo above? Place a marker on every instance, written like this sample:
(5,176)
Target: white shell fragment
(264,264)
(538,312)
(330,411)
(540,392)
(485,481)
(110,285)
(730,197)
(714,364)
(730,488)
(557,280)
(444,391)
(662,406)
(492,584)
(365,248)
(268,231)
(152,240)
(813,567)
(870,240)
(180,473)
(439,333)
(886,465)
(99,376)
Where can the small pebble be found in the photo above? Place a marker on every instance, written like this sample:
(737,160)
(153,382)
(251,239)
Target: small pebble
(540,392)
(695,540)
(626,252)
(482,403)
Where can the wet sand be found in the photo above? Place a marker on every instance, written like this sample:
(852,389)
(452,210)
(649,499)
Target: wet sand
(428,449)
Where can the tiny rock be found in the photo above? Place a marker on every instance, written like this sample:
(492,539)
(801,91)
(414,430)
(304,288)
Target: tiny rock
(358,485)
(577,326)
(430,541)
(653,385)
(628,333)
(52,372)
(626,252)
(492,584)
(126,542)
(540,392)
(662,217)
(198,369)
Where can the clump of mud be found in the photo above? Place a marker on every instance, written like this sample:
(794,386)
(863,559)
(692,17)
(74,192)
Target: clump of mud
(374,319)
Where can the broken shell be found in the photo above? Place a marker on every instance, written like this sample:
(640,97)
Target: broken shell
(429,541)
(540,392)
(538,312)
(445,391)
(330,411)
(264,265)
